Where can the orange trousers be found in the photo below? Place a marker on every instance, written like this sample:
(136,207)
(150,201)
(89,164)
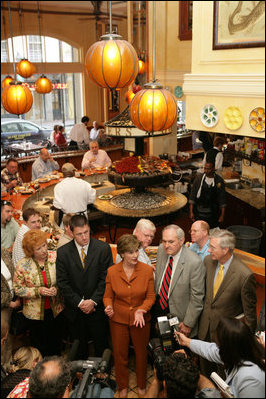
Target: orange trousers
(121,334)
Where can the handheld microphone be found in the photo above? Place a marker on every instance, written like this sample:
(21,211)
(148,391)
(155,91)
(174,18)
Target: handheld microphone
(105,360)
(173,321)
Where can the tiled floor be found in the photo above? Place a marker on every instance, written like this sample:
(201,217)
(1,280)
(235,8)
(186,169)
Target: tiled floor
(133,391)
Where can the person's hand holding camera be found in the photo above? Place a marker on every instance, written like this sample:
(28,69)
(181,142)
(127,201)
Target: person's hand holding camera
(139,319)
(109,311)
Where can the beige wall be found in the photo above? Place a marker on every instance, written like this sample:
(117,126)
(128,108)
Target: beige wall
(221,77)
(173,61)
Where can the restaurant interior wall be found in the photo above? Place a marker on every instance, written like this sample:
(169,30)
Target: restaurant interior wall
(173,61)
(75,30)
(222,77)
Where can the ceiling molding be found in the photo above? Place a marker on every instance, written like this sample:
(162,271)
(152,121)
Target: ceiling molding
(233,85)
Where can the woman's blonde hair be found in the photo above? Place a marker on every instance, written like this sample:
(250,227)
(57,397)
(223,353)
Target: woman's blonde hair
(31,240)
(25,357)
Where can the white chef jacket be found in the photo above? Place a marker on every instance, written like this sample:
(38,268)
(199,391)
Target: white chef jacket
(79,133)
(72,195)
(94,134)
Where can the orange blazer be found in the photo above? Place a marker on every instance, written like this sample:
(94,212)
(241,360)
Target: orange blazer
(127,296)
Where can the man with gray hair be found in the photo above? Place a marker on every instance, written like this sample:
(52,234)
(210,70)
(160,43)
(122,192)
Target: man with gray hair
(179,281)
(230,290)
(144,231)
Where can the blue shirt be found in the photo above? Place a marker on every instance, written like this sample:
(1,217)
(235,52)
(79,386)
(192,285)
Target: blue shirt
(226,267)
(201,252)
(41,168)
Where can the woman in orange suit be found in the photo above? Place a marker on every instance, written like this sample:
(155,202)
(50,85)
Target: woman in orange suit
(128,298)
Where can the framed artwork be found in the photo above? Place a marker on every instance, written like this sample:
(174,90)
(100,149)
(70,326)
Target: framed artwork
(185,20)
(238,24)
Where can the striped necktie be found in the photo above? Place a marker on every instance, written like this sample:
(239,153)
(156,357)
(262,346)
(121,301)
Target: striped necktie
(165,285)
(218,280)
(82,257)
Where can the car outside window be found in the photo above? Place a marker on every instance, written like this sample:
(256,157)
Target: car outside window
(10,128)
(28,127)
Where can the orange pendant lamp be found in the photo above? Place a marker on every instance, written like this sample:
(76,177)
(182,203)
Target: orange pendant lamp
(6,81)
(129,96)
(17,98)
(25,68)
(43,85)
(142,67)
(112,62)
(153,109)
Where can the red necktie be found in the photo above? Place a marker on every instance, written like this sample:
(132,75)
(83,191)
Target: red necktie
(165,285)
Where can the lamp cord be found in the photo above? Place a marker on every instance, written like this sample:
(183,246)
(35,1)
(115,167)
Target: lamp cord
(20,27)
(11,33)
(153,38)
(39,20)
(110,12)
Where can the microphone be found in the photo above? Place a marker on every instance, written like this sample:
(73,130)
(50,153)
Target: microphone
(105,360)
(222,385)
(173,322)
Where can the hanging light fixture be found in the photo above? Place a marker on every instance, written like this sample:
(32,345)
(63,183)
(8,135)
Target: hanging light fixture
(43,85)
(112,62)
(5,82)
(16,98)
(24,68)
(153,109)
(142,65)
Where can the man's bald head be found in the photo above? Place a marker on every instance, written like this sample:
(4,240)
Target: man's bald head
(44,154)
(200,232)
(50,378)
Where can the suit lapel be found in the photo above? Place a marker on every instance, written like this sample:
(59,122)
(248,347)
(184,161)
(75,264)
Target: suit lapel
(178,270)
(161,271)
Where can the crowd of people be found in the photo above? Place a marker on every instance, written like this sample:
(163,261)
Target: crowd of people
(81,292)
(73,292)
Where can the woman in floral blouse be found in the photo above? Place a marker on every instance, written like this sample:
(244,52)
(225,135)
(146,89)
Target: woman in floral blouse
(35,282)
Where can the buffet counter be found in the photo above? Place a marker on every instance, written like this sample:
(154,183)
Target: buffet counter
(115,152)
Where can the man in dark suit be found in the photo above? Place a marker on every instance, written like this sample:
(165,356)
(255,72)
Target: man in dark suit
(230,290)
(186,280)
(81,269)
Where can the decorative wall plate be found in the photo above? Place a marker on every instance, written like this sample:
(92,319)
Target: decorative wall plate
(257,119)
(209,115)
(233,118)
(178,91)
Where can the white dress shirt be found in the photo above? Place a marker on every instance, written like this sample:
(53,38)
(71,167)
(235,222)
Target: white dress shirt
(94,134)
(79,133)
(175,262)
(18,252)
(101,160)
(72,195)
(41,168)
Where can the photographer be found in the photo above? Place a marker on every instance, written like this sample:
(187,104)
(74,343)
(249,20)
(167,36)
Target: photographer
(240,353)
(181,379)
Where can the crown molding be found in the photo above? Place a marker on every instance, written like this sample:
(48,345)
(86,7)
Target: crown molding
(233,85)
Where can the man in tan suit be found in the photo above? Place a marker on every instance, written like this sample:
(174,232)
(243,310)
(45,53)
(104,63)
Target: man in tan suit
(186,291)
(230,290)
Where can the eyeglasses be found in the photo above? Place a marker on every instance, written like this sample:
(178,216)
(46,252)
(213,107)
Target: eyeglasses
(5,202)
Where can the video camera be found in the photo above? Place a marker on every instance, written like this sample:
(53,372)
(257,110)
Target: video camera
(165,345)
(95,377)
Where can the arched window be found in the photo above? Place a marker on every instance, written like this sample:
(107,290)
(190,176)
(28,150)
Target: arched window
(38,49)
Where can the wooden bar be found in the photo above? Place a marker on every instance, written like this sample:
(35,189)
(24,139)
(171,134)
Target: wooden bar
(115,152)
